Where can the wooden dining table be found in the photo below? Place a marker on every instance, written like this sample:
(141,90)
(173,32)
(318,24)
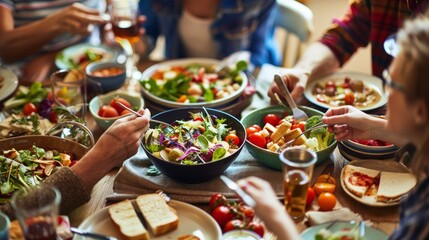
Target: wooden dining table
(104,187)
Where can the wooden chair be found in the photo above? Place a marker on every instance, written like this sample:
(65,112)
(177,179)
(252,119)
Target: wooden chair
(295,22)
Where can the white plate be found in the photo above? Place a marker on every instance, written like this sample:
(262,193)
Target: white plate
(370,233)
(73,52)
(184,62)
(380,165)
(368,80)
(192,220)
(9,84)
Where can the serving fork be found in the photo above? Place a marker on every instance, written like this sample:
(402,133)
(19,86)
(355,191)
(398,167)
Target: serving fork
(298,114)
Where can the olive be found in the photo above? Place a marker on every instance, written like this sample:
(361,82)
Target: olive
(356,85)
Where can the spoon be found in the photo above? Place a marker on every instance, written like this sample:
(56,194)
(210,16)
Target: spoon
(298,114)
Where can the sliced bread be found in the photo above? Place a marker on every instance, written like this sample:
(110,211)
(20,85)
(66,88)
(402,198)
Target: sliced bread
(393,185)
(358,179)
(126,220)
(158,215)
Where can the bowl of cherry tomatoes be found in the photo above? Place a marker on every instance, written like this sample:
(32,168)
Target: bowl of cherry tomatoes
(261,123)
(367,149)
(106,110)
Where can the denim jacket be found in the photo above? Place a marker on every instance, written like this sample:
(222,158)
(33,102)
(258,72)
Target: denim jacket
(239,25)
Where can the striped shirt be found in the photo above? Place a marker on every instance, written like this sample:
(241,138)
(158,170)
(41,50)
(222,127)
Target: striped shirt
(369,21)
(414,214)
(28,11)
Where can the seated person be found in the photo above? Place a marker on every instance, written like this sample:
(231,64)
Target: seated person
(32,33)
(212,28)
(118,143)
(407,122)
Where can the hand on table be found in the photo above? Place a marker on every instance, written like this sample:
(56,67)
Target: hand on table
(295,79)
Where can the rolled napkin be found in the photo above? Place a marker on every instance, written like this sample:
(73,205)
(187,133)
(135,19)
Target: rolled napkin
(341,214)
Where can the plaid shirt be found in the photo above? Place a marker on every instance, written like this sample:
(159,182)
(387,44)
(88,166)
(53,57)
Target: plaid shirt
(369,21)
(414,214)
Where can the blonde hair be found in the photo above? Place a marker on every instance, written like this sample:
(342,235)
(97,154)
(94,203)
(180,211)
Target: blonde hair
(414,46)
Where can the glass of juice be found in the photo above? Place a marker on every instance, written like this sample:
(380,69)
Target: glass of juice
(124,14)
(37,211)
(297,171)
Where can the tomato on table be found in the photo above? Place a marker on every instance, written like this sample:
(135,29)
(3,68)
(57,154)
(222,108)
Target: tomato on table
(247,213)
(217,200)
(325,178)
(232,138)
(327,201)
(311,195)
(272,119)
(222,214)
(256,227)
(233,224)
(321,187)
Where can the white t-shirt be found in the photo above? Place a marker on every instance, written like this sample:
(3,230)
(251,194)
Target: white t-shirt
(196,36)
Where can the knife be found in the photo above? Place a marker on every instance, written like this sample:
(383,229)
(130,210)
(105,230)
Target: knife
(237,189)
(91,234)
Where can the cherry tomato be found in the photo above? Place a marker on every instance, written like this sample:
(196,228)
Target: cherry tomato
(29,108)
(113,103)
(222,215)
(110,112)
(246,212)
(330,84)
(321,187)
(101,110)
(259,128)
(217,200)
(251,130)
(232,138)
(53,117)
(345,85)
(349,98)
(301,125)
(256,227)
(233,224)
(73,162)
(325,178)
(327,201)
(257,139)
(310,196)
(272,119)
(125,112)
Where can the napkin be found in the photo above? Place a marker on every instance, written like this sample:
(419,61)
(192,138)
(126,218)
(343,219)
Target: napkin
(341,214)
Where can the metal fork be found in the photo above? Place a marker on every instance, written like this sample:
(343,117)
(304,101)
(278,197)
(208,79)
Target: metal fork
(290,142)
(298,114)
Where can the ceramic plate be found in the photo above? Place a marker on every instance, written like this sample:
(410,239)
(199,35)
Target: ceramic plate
(165,103)
(8,83)
(370,233)
(192,220)
(75,52)
(380,165)
(368,80)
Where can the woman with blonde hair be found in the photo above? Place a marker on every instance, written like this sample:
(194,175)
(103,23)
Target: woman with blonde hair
(407,123)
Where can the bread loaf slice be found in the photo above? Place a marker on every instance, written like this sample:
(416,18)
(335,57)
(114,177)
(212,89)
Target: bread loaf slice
(358,179)
(126,220)
(160,218)
(393,185)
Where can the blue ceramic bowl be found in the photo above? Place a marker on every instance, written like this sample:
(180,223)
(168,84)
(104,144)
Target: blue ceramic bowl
(110,82)
(97,102)
(271,159)
(200,172)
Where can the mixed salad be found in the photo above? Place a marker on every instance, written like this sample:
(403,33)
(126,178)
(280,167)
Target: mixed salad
(194,83)
(195,141)
(342,234)
(81,59)
(28,168)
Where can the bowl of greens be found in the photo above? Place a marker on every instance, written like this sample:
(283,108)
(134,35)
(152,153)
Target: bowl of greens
(199,145)
(193,82)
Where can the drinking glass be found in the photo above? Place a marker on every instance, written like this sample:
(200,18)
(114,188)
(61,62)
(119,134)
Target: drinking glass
(37,211)
(124,14)
(69,91)
(4,226)
(297,171)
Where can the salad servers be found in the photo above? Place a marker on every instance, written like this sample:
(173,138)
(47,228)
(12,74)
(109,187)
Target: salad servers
(298,114)
(290,142)
(91,234)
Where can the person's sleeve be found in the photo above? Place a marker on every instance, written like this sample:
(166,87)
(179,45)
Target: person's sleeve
(150,25)
(263,46)
(73,191)
(350,32)
(8,4)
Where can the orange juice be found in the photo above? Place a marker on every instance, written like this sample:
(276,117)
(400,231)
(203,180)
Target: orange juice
(295,186)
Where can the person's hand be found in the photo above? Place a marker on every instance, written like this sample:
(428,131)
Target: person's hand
(347,122)
(295,79)
(122,139)
(75,19)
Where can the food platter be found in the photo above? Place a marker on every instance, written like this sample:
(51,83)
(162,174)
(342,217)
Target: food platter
(369,81)
(192,220)
(168,66)
(8,83)
(67,58)
(370,233)
(380,165)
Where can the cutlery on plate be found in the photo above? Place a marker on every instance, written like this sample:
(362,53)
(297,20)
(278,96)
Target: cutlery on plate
(298,114)
(91,234)
(237,189)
